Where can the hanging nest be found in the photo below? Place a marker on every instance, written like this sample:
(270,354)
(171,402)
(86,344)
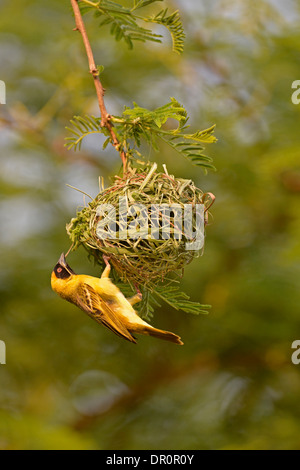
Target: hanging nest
(139,261)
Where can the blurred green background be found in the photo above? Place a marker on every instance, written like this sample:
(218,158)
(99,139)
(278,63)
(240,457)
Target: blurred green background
(69,383)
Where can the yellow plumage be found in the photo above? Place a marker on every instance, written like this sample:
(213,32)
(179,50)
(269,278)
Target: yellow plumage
(104,302)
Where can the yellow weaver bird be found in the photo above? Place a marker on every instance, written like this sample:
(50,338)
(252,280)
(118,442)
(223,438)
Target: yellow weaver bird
(104,302)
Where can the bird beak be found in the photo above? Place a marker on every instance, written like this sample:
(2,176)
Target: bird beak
(64,264)
(62,260)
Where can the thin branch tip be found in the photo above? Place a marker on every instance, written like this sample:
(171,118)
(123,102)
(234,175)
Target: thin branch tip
(100,91)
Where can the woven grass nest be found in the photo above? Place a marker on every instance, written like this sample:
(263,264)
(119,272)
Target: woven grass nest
(139,262)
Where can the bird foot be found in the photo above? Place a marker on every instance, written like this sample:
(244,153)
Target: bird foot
(106,260)
(138,292)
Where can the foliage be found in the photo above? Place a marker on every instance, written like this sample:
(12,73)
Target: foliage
(139,124)
(124,22)
(180,300)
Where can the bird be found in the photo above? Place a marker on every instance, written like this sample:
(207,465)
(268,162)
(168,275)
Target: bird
(103,301)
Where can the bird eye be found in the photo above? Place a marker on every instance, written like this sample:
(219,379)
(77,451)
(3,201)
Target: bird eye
(59,270)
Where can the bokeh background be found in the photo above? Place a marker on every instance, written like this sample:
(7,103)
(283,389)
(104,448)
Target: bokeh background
(69,383)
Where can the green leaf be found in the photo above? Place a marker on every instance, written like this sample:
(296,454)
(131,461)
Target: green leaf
(138,124)
(100,68)
(180,300)
(82,127)
(174,25)
(143,3)
(125,23)
(171,295)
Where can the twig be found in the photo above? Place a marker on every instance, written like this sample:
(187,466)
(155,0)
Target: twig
(105,116)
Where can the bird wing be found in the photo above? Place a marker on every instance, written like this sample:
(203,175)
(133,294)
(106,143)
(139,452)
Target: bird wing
(92,303)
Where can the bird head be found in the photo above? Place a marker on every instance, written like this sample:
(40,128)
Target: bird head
(61,273)
(62,270)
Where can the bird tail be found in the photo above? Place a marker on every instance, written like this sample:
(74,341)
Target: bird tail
(161,334)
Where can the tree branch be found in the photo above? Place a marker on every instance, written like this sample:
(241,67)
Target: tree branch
(105,116)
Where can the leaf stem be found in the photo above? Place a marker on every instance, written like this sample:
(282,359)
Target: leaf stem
(105,116)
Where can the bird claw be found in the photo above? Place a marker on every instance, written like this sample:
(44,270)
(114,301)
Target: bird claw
(138,292)
(106,260)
